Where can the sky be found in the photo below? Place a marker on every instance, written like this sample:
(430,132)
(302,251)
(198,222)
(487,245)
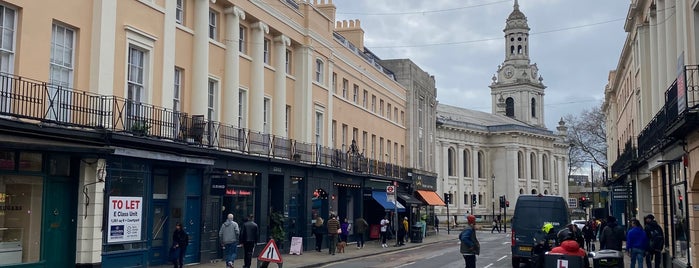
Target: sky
(575,43)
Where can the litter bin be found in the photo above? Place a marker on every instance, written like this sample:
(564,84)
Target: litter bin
(416,233)
(608,258)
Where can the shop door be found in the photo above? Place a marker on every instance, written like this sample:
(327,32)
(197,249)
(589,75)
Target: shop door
(192,219)
(159,233)
(59,222)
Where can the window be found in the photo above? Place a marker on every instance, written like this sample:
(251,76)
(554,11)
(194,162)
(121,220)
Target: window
(176,91)
(381,158)
(7,46)
(345,84)
(242,108)
(61,71)
(373,103)
(520,165)
(179,12)
(451,162)
(532,166)
(344,137)
(481,165)
(265,116)
(395,153)
(533,107)
(242,48)
(135,82)
(211,100)
(355,134)
(373,146)
(381,107)
(365,99)
(355,96)
(334,83)
(365,137)
(388,151)
(402,117)
(288,61)
(388,111)
(319,71)
(265,55)
(333,135)
(395,114)
(510,107)
(319,128)
(213,22)
(467,163)
(544,167)
(288,120)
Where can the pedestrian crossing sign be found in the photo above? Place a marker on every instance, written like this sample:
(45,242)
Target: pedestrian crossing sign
(270,253)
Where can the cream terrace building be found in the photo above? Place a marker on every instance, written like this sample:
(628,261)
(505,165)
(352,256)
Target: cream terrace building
(509,152)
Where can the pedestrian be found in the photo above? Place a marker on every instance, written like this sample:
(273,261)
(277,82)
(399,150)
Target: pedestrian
(569,246)
(470,247)
(318,232)
(360,226)
(636,243)
(403,232)
(588,234)
(546,240)
(384,231)
(344,226)
(333,231)
(436,224)
(495,226)
(577,234)
(612,235)
(228,234)
(656,241)
(180,240)
(248,236)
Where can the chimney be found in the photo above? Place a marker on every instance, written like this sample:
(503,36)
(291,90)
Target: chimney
(352,31)
(326,7)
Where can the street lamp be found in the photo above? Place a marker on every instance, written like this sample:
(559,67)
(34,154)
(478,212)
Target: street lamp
(493,196)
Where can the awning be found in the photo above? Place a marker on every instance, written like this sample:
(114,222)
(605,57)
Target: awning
(29,143)
(409,199)
(383,201)
(431,198)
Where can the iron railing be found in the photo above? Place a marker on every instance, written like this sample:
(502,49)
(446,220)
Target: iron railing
(22,98)
(626,160)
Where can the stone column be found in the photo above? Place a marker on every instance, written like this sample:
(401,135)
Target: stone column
(231,85)
(200,58)
(257,81)
(655,101)
(279,110)
(303,103)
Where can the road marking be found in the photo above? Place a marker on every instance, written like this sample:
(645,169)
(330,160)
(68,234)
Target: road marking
(505,243)
(406,264)
(488,265)
(502,258)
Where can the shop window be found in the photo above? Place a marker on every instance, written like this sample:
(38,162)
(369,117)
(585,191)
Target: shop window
(126,183)
(59,165)
(20,218)
(29,161)
(240,195)
(7,160)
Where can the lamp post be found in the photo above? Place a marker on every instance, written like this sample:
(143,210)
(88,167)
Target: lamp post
(493,195)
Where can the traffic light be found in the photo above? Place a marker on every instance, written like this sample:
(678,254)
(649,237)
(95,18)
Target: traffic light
(447,198)
(507,203)
(582,201)
(502,201)
(473,199)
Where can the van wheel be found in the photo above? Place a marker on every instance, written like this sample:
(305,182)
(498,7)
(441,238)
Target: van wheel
(515,262)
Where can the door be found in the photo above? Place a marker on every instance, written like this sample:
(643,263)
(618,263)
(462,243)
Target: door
(192,224)
(59,222)
(160,240)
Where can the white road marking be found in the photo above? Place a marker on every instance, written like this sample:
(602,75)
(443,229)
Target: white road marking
(505,243)
(502,258)
(406,264)
(490,264)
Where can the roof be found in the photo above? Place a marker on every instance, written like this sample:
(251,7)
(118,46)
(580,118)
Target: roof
(481,121)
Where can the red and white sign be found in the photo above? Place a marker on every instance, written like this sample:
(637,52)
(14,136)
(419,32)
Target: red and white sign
(390,189)
(270,253)
(124,223)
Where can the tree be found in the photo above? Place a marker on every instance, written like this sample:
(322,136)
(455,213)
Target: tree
(587,134)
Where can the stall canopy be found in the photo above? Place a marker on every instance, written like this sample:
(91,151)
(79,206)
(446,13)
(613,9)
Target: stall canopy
(431,198)
(383,201)
(409,200)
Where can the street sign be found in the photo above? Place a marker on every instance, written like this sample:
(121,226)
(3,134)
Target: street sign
(270,253)
(391,193)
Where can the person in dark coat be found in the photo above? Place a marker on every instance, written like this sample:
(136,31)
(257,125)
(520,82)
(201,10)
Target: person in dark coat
(248,237)
(318,232)
(360,227)
(180,240)
(612,235)
(470,247)
(656,241)
(588,234)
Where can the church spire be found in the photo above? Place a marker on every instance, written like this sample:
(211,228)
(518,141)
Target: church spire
(516,5)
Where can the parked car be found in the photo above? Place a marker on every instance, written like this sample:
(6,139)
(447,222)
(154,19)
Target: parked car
(579,223)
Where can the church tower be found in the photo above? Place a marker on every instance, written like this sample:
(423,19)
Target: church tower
(517,90)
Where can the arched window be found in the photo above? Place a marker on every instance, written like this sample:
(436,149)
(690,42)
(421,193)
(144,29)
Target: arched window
(546,191)
(532,166)
(521,191)
(467,163)
(545,167)
(519,49)
(451,162)
(480,198)
(533,191)
(512,49)
(520,165)
(510,107)
(533,107)
(481,165)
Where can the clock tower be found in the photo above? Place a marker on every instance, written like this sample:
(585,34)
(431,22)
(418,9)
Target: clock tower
(517,89)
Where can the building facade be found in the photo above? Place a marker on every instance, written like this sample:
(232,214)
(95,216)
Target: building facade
(651,104)
(119,119)
(509,152)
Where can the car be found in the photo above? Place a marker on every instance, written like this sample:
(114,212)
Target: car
(531,213)
(579,223)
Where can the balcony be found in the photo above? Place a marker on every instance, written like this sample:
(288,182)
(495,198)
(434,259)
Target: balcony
(79,113)
(626,160)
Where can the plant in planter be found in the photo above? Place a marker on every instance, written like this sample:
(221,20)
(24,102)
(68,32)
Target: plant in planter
(278,233)
(140,128)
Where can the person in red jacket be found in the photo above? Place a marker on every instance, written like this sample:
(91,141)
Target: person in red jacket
(569,246)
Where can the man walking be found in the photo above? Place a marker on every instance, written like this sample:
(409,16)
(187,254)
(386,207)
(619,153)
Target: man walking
(612,235)
(360,226)
(636,243)
(248,236)
(384,231)
(333,227)
(470,247)
(228,234)
(656,241)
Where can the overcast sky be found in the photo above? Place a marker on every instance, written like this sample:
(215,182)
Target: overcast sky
(575,43)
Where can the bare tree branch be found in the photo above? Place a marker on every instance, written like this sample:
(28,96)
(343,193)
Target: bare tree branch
(588,138)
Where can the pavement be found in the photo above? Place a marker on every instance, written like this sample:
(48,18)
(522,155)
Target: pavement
(372,247)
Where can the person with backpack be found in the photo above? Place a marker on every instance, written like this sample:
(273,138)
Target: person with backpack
(612,235)
(470,247)
(656,241)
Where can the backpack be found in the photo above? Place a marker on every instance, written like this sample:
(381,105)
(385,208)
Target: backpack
(656,239)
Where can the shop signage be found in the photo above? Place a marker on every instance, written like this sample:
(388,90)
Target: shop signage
(218,186)
(238,192)
(125,218)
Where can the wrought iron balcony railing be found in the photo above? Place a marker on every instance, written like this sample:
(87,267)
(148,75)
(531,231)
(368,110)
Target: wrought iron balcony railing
(626,160)
(22,98)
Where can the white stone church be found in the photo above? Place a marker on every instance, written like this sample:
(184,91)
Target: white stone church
(482,156)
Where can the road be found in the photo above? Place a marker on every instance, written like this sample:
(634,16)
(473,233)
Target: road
(495,252)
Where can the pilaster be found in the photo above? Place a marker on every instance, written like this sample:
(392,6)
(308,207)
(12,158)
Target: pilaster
(229,112)
(200,58)
(281,42)
(257,81)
